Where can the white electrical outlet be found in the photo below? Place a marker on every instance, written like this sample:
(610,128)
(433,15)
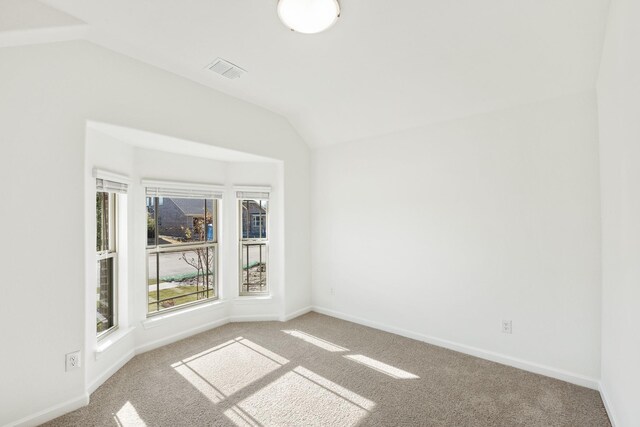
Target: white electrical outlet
(72,360)
(332,291)
(506,327)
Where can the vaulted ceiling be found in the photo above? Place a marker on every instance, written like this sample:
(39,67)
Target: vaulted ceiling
(385,66)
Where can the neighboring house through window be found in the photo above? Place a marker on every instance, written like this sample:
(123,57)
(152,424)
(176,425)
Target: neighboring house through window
(182,244)
(254,242)
(258,221)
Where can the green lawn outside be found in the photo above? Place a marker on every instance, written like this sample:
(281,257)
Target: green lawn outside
(176,294)
(176,278)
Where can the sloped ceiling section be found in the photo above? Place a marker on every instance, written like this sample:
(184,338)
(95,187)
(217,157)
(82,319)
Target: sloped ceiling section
(29,21)
(385,66)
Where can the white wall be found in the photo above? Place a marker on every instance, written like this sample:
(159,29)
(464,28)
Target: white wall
(619,114)
(48,94)
(444,231)
(112,155)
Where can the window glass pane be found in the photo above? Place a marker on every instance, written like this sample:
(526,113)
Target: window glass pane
(254,267)
(151,221)
(254,219)
(211,220)
(181,220)
(152,281)
(102,221)
(105,295)
(185,276)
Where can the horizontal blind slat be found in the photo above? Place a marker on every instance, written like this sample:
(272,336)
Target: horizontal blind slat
(183,193)
(252,195)
(111,186)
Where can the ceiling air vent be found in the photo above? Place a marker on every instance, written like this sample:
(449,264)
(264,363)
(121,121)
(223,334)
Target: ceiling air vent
(226,69)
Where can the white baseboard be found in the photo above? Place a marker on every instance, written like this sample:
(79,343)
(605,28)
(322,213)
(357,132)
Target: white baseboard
(238,318)
(110,371)
(179,336)
(526,365)
(52,412)
(71,405)
(295,314)
(607,404)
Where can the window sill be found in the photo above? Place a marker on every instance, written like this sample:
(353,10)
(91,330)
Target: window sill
(107,342)
(250,299)
(159,319)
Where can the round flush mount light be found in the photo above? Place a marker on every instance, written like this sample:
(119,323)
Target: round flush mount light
(308,16)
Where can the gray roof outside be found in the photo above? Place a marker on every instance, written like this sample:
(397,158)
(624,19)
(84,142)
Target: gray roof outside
(255,207)
(190,207)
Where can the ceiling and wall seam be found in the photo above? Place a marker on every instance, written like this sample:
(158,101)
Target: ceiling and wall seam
(458,59)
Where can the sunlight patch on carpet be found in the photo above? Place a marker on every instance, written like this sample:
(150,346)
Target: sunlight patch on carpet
(319,342)
(227,368)
(127,416)
(301,397)
(392,371)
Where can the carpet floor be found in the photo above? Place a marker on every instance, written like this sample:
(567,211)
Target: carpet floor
(318,370)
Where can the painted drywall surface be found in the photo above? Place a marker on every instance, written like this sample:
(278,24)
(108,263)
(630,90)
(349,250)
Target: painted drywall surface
(619,108)
(18,15)
(447,230)
(48,94)
(109,154)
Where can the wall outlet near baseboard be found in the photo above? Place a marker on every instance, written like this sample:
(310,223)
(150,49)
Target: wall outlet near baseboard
(506,327)
(72,360)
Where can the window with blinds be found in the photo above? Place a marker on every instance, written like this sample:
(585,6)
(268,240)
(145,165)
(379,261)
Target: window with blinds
(253,208)
(108,190)
(182,244)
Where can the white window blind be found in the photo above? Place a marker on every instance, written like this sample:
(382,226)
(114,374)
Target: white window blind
(110,182)
(257,195)
(181,190)
(111,186)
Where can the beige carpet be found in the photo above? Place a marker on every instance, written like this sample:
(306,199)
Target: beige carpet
(317,370)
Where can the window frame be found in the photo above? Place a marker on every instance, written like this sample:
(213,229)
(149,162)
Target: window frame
(181,247)
(254,241)
(110,253)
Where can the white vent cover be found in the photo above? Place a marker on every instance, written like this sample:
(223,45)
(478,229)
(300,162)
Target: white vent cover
(226,69)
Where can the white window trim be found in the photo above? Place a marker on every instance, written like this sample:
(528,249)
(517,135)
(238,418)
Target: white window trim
(163,188)
(242,192)
(126,181)
(105,344)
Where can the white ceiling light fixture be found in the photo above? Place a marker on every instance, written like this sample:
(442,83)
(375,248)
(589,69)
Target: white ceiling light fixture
(308,16)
